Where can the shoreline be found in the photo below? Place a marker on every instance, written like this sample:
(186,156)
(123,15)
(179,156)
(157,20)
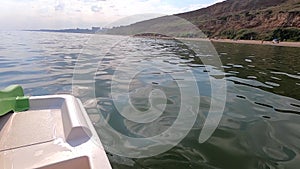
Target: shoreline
(251,42)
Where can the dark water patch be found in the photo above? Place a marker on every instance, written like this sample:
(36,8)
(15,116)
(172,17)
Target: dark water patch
(265,105)
(266,117)
(268,64)
(241,97)
(287,111)
(295,105)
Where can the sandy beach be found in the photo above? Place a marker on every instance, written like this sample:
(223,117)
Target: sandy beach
(255,42)
(259,42)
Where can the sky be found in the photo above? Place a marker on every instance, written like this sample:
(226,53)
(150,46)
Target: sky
(61,14)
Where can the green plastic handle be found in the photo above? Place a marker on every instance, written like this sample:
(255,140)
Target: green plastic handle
(12,99)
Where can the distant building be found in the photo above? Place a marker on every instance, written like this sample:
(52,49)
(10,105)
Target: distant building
(96,29)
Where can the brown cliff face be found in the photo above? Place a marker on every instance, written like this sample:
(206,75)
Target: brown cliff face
(233,6)
(233,19)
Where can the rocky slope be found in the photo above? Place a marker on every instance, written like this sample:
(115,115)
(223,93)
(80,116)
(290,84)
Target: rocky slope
(246,18)
(233,19)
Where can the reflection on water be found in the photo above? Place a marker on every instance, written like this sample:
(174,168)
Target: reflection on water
(273,69)
(252,133)
(261,122)
(41,62)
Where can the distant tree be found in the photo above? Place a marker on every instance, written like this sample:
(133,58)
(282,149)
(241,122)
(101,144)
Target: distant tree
(287,34)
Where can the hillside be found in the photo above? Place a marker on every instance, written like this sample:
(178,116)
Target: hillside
(233,19)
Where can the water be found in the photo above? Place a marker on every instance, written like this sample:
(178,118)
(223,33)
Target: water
(260,125)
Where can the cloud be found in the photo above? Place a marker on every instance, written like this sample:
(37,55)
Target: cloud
(133,19)
(91,0)
(57,14)
(60,6)
(193,7)
(95,8)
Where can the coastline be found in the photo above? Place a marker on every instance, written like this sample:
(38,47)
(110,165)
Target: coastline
(253,42)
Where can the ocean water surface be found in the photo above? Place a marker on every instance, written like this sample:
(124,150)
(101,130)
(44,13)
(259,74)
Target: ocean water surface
(260,126)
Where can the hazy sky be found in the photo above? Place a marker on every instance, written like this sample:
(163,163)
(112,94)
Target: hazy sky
(58,14)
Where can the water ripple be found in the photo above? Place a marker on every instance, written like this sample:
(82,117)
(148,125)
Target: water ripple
(261,122)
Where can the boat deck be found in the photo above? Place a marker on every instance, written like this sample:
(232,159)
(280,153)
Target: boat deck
(55,133)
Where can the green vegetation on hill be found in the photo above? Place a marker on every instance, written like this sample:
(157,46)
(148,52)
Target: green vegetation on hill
(283,34)
(292,34)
